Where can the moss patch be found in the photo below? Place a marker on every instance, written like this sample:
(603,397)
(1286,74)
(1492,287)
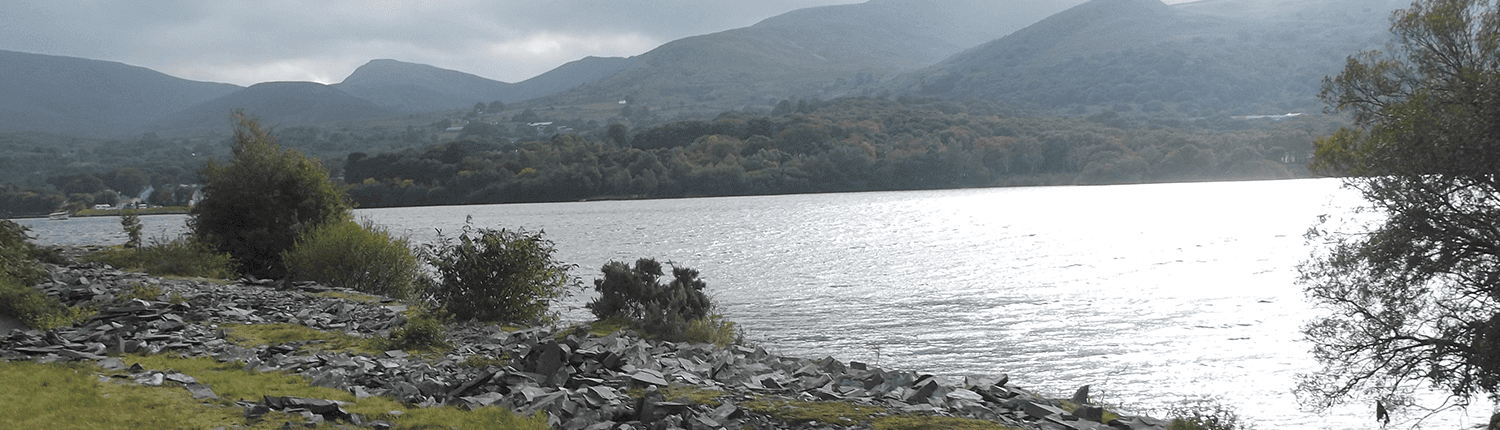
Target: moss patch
(919,422)
(684,394)
(842,413)
(353,297)
(253,335)
(1069,406)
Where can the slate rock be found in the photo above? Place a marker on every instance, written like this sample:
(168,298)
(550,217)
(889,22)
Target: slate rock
(1081,397)
(650,377)
(200,391)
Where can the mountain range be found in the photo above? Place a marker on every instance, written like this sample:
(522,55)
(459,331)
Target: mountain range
(1191,59)
(1238,56)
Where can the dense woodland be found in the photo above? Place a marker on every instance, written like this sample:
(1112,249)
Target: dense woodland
(851,144)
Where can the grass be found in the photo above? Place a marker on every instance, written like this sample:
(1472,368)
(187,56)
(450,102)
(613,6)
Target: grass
(35,309)
(252,335)
(922,422)
(72,396)
(353,297)
(841,413)
(180,257)
(147,211)
(684,393)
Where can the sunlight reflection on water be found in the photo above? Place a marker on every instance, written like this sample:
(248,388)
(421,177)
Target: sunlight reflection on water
(1152,293)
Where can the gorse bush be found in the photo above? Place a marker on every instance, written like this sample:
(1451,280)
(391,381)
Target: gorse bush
(18,258)
(677,310)
(357,255)
(184,256)
(256,206)
(498,275)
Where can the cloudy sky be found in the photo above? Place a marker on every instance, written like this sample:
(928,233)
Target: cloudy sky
(249,41)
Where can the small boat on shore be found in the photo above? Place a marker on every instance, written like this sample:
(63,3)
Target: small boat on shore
(57,216)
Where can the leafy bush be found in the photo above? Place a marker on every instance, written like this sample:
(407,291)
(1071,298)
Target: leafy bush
(1205,415)
(184,256)
(17,256)
(33,308)
(678,310)
(361,256)
(498,275)
(423,331)
(255,207)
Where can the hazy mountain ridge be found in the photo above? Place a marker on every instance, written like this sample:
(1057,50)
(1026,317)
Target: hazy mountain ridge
(1193,59)
(1247,56)
(420,88)
(103,99)
(49,93)
(820,51)
(277,103)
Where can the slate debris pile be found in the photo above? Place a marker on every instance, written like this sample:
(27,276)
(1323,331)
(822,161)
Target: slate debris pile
(578,380)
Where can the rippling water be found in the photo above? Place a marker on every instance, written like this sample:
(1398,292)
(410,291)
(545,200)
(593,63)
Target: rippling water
(1152,293)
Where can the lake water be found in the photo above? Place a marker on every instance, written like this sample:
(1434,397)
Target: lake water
(1154,294)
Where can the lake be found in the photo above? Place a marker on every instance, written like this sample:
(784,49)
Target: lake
(1154,294)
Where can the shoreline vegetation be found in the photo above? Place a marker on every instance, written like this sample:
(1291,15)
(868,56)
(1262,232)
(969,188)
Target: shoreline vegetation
(265,354)
(811,146)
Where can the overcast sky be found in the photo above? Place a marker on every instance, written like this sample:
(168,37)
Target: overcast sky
(249,41)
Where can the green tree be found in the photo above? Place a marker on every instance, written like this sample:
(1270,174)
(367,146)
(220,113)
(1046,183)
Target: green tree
(256,206)
(1413,296)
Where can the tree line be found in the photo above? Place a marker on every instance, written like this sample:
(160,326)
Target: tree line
(841,145)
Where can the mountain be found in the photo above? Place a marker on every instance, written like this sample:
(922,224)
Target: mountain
(91,98)
(811,52)
(415,88)
(420,88)
(1243,56)
(567,77)
(275,103)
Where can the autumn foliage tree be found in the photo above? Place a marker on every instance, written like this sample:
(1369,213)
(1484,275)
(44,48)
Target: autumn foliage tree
(1413,293)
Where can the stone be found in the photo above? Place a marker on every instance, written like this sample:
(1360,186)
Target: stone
(1091,413)
(254,411)
(482,378)
(645,407)
(923,392)
(112,363)
(1081,397)
(200,392)
(485,399)
(964,394)
(650,377)
(180,378)
(1038,410)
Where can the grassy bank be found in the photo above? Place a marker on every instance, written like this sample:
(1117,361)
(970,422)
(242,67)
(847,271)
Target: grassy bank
(148,211)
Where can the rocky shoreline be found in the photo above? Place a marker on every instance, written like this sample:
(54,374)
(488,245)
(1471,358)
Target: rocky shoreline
(578,380)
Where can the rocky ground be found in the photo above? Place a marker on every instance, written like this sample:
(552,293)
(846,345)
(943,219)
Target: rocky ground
(577,379)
